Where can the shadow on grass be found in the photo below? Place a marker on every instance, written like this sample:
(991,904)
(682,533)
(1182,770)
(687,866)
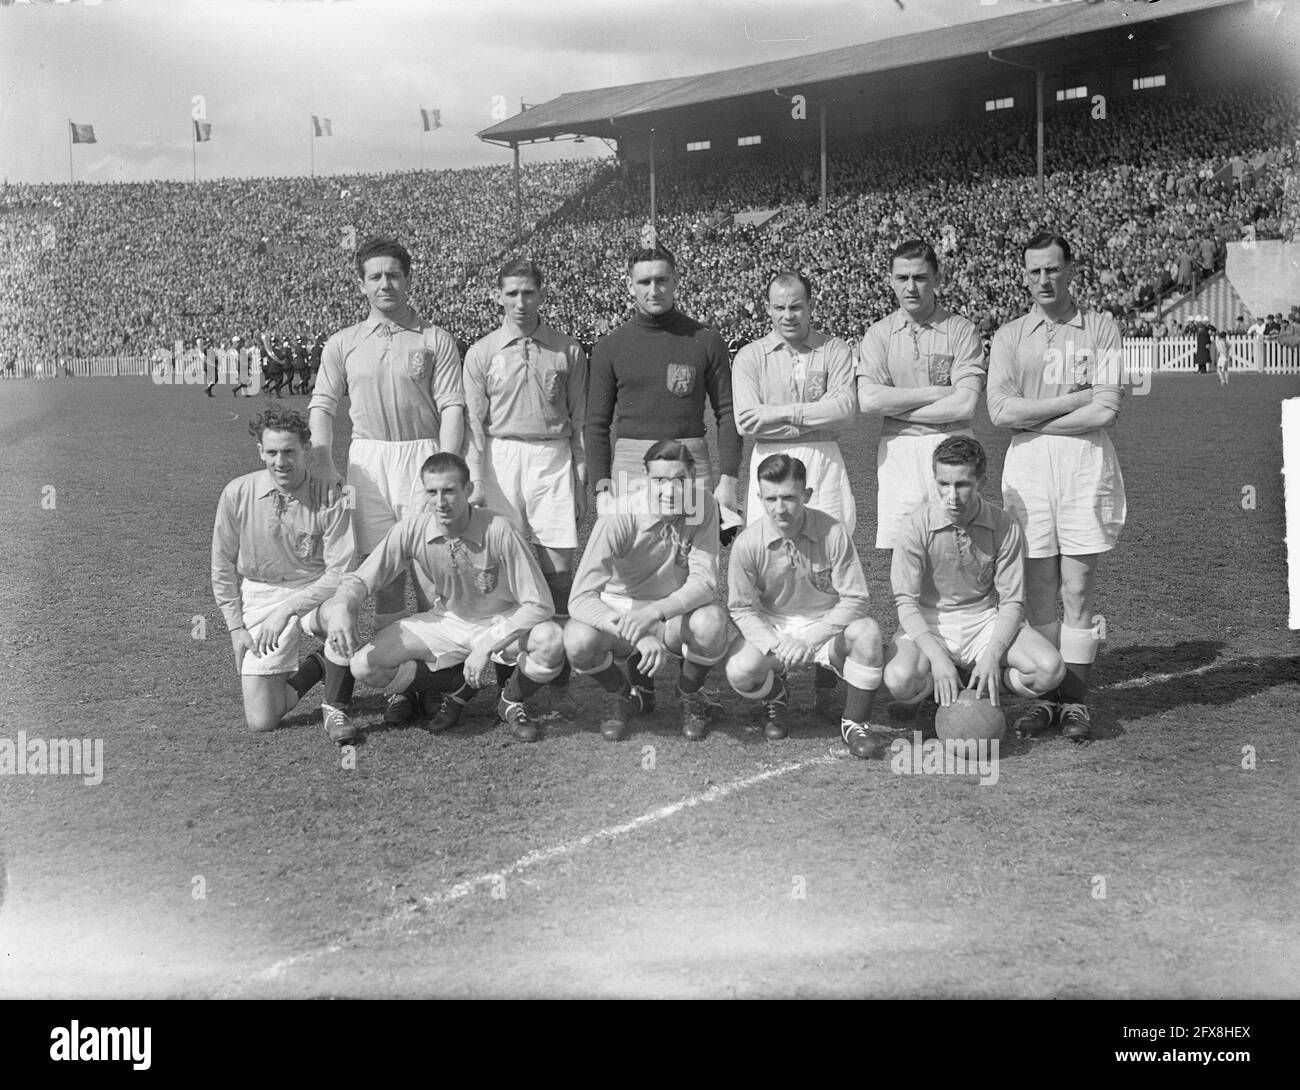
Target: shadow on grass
(1223,684)
(1127,663)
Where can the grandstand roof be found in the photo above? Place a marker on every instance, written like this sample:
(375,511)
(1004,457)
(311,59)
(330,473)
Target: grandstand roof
(591,112)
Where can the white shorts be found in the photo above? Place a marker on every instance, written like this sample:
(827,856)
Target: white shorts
(827,477)
(621,603)
(904,479)
(258,600)
(449,638)
(530,481)
(795,627)
(628,468)
(1066,491)
(385,482)
(965,633)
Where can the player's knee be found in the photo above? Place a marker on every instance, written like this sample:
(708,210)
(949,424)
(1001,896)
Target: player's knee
(864,640)
(582,644)
(260,720)
(745,668)
(903,681)
(363,666)
(707,628)
(546,643)
(1049,670)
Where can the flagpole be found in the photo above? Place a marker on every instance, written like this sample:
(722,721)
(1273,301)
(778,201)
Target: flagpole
(70,177)
(194,149)
(313,148)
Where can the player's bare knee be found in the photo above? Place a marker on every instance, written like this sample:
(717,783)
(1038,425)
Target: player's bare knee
(362,665)
(546,644)
(706,629)
(745,668)
(582,644)
(864,640)
(260,721)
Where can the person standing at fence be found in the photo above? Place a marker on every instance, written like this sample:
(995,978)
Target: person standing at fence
(1054,379)
(1222,355)
(1202,347)
(1256,335)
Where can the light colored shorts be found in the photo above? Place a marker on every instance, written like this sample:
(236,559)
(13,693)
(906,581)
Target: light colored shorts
(795,627)
(904,479)
(530,481)
(258,601)
(449,638)
(628,469)
(965,633)
(385,482)
(827,477)
(1066,491)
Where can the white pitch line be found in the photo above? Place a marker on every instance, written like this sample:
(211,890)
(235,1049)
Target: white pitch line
(1160,679)
(556,851)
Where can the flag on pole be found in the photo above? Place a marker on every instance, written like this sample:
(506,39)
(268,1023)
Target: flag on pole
(83,134)
(202,132)
(321,126)
(432,119)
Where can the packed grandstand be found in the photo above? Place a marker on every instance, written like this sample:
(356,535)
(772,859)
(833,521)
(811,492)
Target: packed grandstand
(1146,195)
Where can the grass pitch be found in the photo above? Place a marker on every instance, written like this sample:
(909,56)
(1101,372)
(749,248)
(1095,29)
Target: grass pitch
(210,862)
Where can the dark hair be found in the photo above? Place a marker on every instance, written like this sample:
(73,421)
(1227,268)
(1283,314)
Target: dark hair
(915,249)
(656,252)
(788,277)
(962,450)
(1045,240)
(781,467)
(382,247)
(280,418)
(670,450)
(445,462)
(520,266)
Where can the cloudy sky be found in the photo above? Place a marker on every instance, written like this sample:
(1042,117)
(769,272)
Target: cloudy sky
(132,68)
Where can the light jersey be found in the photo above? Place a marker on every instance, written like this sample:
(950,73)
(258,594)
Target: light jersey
(294,540)
(944,351)
(489,571)
(815,574)
(525,388)
(400,380)
(817,385)
(648,559)
(1035,357)
(938,565)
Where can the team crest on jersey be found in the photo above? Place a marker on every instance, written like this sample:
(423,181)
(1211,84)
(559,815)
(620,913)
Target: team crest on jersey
(681,379)
(940,370)
(682,553)
(307,546)
(419,363)
(1082,364)
(821,580)
(551,385)
(485,579)
(815,386)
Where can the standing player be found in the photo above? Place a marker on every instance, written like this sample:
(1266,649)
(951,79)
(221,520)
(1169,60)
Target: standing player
(402,376)
(273,365)
(959,585)
(650,377)
(489,604)
(923,368)
(793,390)
(526,398)
(798,595)
(279,550)
(1054,378)
(1222,355)
(645,589)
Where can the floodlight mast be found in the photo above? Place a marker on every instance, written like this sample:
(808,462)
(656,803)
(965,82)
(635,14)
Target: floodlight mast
(1037,69)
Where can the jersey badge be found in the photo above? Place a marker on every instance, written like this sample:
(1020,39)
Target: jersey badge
(681,379)
(485,579)
(821,580)
(419,363)
(940,370)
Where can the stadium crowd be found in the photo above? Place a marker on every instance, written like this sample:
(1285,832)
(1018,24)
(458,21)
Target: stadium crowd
(1153,193)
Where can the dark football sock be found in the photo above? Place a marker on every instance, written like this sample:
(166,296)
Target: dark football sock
(445,680)
(561,680)
(504,673)
(635,678)
(520,686)
(560,583)
(611,679)
(692,676)
(1074,686)
(338,684)
(310,671)
(824,678)
(857,704)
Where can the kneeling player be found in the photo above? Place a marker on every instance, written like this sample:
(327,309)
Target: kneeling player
(959,583)
(798,595)
(645,590)
(490,604)
(279,550)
